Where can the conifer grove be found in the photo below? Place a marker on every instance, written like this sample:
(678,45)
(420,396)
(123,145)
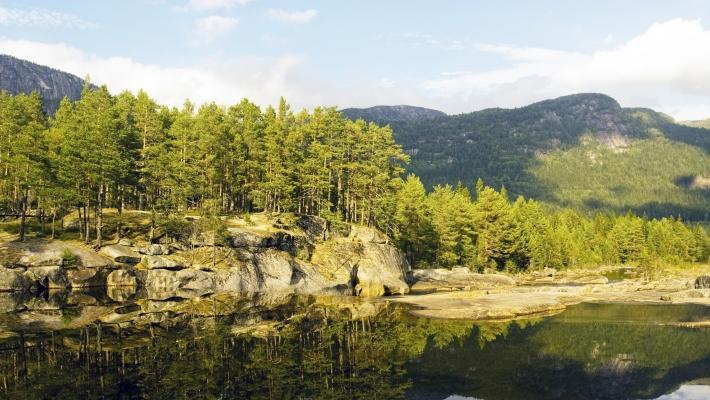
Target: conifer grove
(126,152)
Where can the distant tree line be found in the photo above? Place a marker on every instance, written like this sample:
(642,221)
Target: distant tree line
(450,227)
(128,152)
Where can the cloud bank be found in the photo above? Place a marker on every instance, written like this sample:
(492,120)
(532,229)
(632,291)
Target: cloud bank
(664,67)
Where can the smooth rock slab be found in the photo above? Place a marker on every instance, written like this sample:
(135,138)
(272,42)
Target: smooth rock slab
(466,305)
(456,278)
(121,254)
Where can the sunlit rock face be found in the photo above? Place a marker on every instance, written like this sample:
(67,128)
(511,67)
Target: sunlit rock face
(307,256)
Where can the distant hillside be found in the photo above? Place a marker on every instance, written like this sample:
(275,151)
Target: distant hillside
(389,114)
(703,123)
(583,150)
(20,76)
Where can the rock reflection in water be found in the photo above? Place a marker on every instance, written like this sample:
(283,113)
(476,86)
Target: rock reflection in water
(87,345)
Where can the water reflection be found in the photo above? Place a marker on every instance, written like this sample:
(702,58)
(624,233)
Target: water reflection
(85,346)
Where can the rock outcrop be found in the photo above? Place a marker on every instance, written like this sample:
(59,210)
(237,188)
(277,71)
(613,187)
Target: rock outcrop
(428,280)
(307,259)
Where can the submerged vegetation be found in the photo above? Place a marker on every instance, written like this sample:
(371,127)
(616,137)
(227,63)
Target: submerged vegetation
(126,152)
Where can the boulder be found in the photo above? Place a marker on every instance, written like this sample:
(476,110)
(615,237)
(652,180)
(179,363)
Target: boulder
(368,235)
(120,278)
(456,278)
(155,249)
(161,262)
(121,254)
(702,282)
(260,241)
(160,284)
(41,257)
(240,238)
(380,271)
(316,228)
(275,270)
(13,280)
(87,277)
(48,277)
(125,242)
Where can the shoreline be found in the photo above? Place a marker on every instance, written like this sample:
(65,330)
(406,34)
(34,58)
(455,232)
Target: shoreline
(530,300)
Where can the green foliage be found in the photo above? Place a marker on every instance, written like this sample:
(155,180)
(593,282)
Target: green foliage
(128,152)
(447,228)
(69,259)
(582,151)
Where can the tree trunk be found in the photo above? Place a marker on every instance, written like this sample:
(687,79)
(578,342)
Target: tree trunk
(23,211)
(87,228)
(120,213)
(81,223)
(54,218)
(99,215)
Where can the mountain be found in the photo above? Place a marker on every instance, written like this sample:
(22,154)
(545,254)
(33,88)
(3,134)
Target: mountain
(389,114)
(583,151)
(20,76)
(703,123)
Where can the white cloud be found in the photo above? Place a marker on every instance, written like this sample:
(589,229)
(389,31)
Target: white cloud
(42,18)
(225,81)
(207,5)
(664,67)
(208,29)
(293,17)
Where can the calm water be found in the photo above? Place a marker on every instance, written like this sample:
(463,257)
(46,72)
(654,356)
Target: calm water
(90,347)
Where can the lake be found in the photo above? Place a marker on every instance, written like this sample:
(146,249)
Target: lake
(88,346)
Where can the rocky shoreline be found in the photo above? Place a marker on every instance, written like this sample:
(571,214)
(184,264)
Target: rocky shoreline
(308,257)
(543,294)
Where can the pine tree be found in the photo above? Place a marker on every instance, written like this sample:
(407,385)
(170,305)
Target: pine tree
(415,233)
(498,236)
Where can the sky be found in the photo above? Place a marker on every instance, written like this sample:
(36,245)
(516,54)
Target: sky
(455,56)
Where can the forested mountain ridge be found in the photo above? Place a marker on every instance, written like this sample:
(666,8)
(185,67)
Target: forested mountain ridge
(21,76)
(389,114)
(701,123)
(583,150)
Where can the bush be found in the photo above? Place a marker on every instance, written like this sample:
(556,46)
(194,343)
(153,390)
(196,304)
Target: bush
(69,259)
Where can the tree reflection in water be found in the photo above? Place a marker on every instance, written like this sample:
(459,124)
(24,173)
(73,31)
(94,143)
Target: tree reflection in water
(325,348)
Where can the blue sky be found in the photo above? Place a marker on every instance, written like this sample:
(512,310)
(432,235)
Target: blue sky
(456,56)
